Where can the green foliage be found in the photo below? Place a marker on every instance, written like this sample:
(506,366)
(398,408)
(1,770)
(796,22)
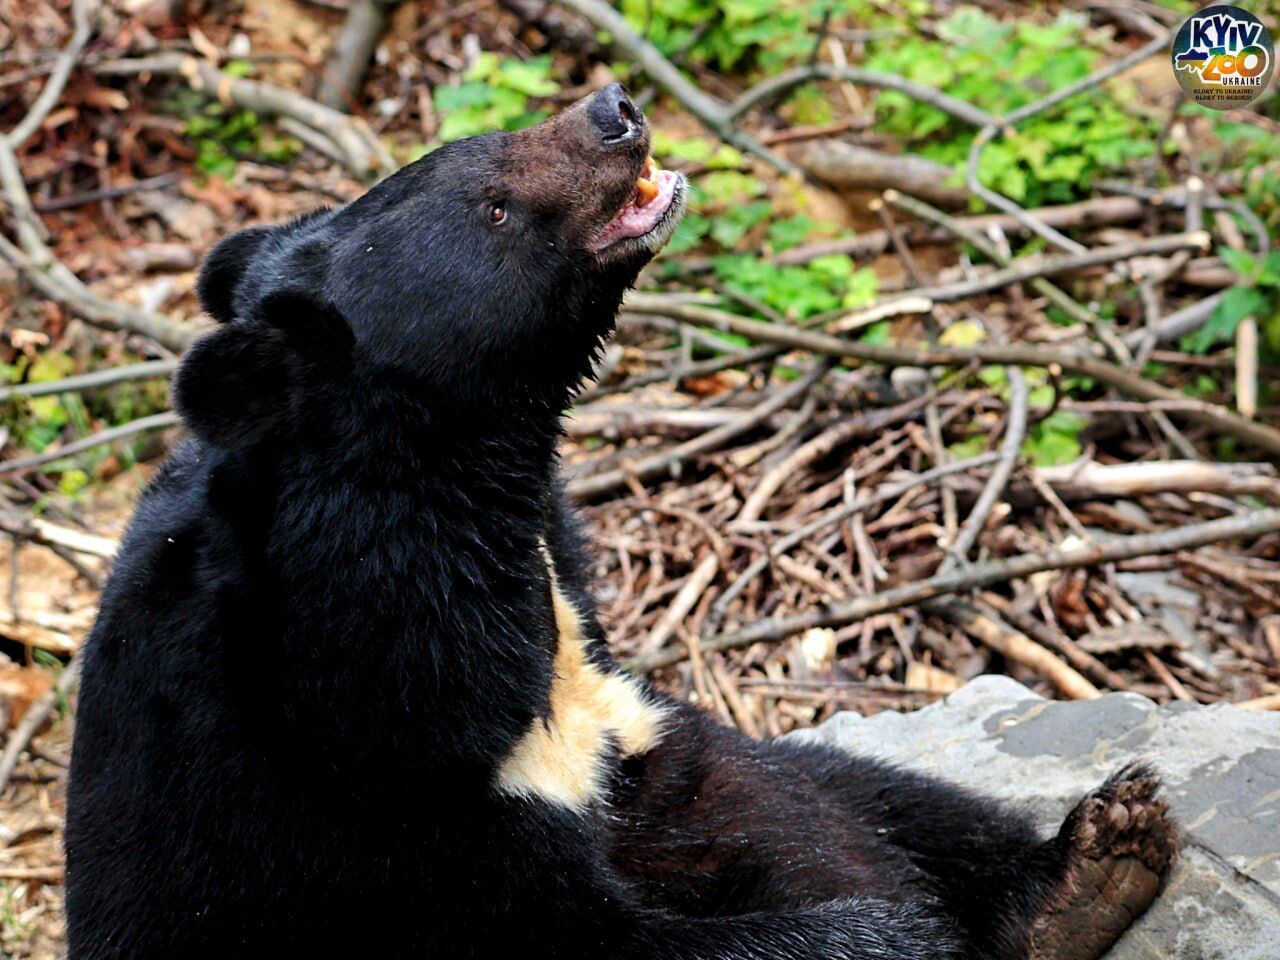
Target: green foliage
(707,151)
(725,34)
(1000,66)
(1054,439)
(495,95)
(798,292)
(969,447)
(1257,295)
(224,135)
(737,218)
(36,422)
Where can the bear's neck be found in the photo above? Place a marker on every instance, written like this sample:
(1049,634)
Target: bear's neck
(444,453)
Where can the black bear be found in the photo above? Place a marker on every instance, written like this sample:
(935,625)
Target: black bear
(347,695)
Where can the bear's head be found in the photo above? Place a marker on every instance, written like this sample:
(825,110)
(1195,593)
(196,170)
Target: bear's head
(488,271)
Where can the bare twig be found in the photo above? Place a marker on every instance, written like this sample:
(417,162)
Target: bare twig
(149,370)
(977,239)
(157,421)
(1092,481)
(1015,431)
(1247,367)
(1031,268)
(44,532)
(84,15)
(779,84)
(850,166)
(1242,527)
(1079,361)
(1094,212)
(55,281)
(1085,662)
(1014,645)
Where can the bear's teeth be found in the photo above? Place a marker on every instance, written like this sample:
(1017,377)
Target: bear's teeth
(646,185)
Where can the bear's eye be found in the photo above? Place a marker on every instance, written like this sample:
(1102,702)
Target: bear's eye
(497,213)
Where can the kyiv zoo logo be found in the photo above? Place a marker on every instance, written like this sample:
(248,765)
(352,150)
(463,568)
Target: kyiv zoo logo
(1223,57)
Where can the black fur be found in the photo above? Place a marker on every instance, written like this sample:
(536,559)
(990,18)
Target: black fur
(331,619)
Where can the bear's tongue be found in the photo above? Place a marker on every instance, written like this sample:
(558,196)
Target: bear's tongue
(654,191)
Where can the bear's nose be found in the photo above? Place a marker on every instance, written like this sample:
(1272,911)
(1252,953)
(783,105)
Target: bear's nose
(616,118)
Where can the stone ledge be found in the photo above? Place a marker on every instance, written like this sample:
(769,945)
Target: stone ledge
(1220,766)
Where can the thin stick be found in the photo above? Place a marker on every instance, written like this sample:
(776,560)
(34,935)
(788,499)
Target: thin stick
(1243,527)
(1082,660)
(149,370)
(1010,450)
(53,280)
(1031,268)
(84,14)
(157,421)
(1247,367)
(1014,645)
(779,84)
(990,250)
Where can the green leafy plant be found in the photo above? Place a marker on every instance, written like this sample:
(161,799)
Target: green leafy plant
(1052,439)
(1257,295)
(1055,439)
(1000,66)
(798,292)
(224,135)
(495,95)
(36,422)
(736,216)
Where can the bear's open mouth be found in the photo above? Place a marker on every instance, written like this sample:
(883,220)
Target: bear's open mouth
(650,213)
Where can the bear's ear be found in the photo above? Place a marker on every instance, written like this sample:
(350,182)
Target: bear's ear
(313,327)
(223,268)
(238,383)
(234,384)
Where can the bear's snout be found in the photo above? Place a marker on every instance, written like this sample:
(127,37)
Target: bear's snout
(615,117)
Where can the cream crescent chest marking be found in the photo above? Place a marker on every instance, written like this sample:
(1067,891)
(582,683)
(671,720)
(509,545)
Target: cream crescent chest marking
(565,756)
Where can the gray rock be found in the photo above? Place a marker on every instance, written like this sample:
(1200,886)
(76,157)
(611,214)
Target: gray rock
(1220,767)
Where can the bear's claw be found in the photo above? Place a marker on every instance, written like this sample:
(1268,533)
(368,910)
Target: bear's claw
(1121,845)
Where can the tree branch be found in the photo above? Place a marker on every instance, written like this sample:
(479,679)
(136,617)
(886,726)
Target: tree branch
(359,149)
(777,85)
(1010,450)
(344,71)
(84,14)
